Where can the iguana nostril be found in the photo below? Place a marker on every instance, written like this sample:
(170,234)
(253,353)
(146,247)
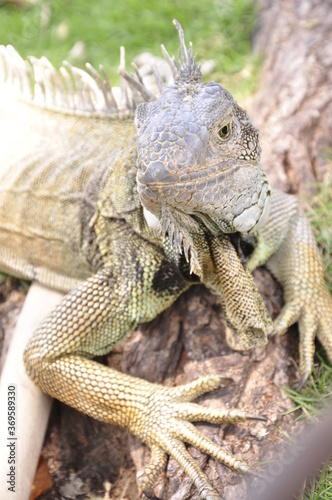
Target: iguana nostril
(156,173)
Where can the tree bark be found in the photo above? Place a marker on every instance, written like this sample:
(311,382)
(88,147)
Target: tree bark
(293,109)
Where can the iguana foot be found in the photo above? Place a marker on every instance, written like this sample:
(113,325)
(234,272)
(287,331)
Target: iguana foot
(314,315)
(165,425)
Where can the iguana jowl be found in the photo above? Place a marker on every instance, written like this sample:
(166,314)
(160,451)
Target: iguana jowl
(77,181)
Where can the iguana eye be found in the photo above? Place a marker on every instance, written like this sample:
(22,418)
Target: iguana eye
(224,131)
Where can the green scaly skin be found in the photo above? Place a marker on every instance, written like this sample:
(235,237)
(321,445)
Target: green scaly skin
(75,221)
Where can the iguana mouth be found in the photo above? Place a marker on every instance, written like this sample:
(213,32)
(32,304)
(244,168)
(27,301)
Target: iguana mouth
(181,228)
(158,174)
(215,227)
(253,217)
(250,218)
(234,204)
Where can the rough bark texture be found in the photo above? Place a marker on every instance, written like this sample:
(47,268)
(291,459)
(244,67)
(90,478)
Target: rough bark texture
(293,110)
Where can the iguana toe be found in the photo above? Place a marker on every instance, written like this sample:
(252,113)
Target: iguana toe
(165,425)
(148,475)
(313,312)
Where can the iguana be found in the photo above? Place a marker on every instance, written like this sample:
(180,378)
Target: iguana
(125,211)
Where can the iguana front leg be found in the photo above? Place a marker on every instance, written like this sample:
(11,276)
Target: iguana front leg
(288,247)
(90,321)
(248,322)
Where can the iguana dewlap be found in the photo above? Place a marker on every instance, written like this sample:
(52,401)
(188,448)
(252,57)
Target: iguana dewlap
(77,176)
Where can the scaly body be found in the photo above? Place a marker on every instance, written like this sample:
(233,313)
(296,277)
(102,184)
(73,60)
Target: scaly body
(79,183)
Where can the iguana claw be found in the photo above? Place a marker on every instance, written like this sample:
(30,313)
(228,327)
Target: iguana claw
(290,252)
(313,312)
(166,425)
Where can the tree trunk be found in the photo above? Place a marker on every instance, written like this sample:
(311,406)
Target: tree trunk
(293,109)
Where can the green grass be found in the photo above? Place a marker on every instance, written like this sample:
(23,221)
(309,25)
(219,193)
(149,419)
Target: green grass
(219,29)
(320,487)
(316,395)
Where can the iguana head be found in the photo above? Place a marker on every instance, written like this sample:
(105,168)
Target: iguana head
(199,157)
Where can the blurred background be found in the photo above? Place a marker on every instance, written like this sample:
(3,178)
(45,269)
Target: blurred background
(81,31)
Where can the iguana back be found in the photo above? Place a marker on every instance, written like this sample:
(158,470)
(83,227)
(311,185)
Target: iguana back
(49,185)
